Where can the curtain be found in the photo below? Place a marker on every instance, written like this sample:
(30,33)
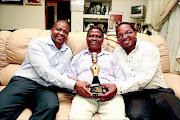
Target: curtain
(158,11)
(164,10)
(164,18)
(171,32)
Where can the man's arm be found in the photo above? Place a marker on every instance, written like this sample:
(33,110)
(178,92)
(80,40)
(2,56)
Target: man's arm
(38,58)
(148,66)
(80,86)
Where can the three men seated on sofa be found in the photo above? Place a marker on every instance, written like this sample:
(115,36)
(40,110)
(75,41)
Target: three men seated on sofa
(48,58)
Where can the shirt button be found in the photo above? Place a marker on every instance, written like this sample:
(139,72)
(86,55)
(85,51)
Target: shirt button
(132,69)
(134,75)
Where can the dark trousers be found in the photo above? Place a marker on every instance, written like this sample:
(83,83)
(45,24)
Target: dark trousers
(152,104)
(23,93)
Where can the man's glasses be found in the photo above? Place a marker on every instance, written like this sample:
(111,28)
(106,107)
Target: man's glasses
(127,34)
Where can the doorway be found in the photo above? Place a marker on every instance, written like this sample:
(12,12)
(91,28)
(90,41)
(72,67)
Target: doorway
(55,10)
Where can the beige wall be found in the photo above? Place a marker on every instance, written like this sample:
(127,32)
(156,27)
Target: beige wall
(21,16)
(76,21)
(125,7)
(26,16)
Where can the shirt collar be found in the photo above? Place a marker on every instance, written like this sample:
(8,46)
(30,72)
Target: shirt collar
(49,41)
(103,52)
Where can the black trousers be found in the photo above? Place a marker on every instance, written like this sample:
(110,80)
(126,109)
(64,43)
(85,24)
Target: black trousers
(22,93)
(152,104)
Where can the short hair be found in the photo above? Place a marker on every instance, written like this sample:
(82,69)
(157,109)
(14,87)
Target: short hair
(122,23)
(62,21)
(96,27)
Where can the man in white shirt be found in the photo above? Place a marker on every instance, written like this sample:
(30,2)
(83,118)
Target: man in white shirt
(34,84)
(145,92)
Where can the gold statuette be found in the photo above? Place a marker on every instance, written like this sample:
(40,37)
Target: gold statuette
(95,87)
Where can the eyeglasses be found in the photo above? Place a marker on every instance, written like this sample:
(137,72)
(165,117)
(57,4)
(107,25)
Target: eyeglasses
(127,34)
(94,36)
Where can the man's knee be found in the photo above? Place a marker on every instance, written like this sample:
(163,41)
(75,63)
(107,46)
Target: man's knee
(53,107)
(136,115)
(138,109)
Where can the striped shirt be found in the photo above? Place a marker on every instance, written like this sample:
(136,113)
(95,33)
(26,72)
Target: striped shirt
(141,67)
(110,71)
(47,65)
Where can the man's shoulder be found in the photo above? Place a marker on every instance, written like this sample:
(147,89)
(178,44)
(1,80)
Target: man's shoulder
(146,45)
(41,40)
(81,53)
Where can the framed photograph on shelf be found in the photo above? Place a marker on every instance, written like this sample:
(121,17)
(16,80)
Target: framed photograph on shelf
(12,2)
(33,2)
(113,20)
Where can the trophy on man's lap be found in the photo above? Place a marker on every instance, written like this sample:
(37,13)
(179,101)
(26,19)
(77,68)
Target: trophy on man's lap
(96,87)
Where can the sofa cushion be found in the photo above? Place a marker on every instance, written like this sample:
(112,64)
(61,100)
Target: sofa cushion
(25,115)
(3,37)
(143,37)
(163,49)
(44,33)
(77,41)
(7,73)
(173,81)
(17,43)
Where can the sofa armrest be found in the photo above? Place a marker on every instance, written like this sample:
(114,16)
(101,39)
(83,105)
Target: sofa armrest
(173,81)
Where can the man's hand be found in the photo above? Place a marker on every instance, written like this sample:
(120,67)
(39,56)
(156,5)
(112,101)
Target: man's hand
(80,87)
(74,78)
(112,89)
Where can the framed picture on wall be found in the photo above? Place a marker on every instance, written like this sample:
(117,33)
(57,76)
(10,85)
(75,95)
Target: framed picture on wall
(33,2)
(12,2)
(113,20)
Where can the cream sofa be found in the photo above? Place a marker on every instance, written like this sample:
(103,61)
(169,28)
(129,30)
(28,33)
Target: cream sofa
(13,48)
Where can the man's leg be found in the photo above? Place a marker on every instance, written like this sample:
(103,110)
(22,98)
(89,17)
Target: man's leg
(113,109)
(45,104)
(167,102)
(14,98)
(82,108)
(137,105)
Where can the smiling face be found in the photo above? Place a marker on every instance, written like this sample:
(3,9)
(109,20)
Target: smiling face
(94,40)
(126,37)
(59,32)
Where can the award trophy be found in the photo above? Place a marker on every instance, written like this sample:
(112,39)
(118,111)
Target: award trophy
(95,87)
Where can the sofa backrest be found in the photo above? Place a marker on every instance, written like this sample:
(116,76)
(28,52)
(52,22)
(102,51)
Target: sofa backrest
(3,37)
(16,43)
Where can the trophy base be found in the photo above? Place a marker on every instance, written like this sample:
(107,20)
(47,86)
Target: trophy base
(96,89)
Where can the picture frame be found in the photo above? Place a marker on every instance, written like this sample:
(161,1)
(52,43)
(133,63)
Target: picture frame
(113,20)
(34,2)
(12,2)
